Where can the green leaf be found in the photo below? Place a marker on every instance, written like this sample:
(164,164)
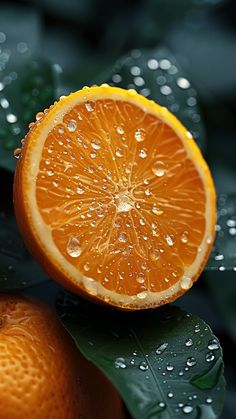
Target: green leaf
(26,84)
(157,75)
(223,256)
(165,363)
(18,270)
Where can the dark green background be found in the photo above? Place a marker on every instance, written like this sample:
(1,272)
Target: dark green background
(71,43)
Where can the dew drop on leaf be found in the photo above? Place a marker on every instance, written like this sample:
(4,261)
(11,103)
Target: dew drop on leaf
(187,409)
(120,363)
(161,348)
(191,361)
(189,342)
(169,367)
(143,366)
(213,345)
(210,357)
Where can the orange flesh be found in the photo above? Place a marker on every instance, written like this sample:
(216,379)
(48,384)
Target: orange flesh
(125,205)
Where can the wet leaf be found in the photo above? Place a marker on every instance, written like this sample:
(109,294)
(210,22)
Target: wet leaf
(165,363)
(26,83)
(157,75)
(18,270)
(223,256)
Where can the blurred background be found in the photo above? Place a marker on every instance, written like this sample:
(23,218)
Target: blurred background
(181,53)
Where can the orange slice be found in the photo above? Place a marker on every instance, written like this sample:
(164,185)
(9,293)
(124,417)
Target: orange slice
(114,198)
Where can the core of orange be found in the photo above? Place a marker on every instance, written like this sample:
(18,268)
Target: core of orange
(114,198)
(42,373)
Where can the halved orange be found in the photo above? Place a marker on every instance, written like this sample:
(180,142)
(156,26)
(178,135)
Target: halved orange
(114,198)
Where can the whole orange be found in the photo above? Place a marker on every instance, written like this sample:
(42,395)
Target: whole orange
(42,373)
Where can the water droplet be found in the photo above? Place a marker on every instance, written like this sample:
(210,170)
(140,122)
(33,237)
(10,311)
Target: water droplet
(219,256)
(156,210)
(154,255)
(116,78)
(186,283)
(139,135)
(152,64)
(169,367)
(191,101)
(90,106)
(95,145)
(139,81)
(71,125)
(183,83)
(17,153)
(4,103)
(222,268)
(231,223)
(119,153)
(189,342)
(80,191)
(165,64)
(142,222)
(169,240)
(122,238)
(197,328)
(11,118)
(140,279)
(135,70)
(232,231)
(158,168)
(148,192)
(120,130)
(87,266)
(142,295)
(189,135)
(73,247)
(93,155)
(213,345)
(143,154)
(210,357)
(165,90)
(191,361)
(209,400)
(120,363)
(145,92)
(187,409)
(170,395)
(39,116)
(50,173)
(161,404)
(143,366)
(184,237)
(161,348)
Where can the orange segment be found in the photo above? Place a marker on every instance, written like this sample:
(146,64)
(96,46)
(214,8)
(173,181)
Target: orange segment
(115,199)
